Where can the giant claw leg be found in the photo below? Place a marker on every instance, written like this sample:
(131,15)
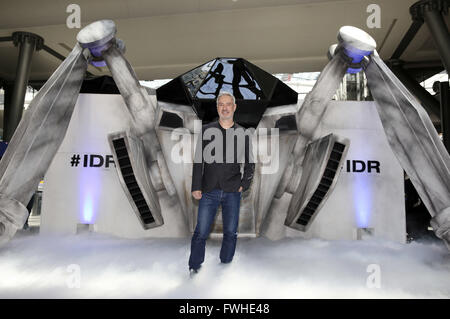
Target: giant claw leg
(313,108)
(309,117)
(36,140)
(415,142)
(137,153)
(316,173)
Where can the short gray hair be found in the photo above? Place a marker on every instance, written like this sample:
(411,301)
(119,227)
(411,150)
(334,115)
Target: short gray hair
(222,93)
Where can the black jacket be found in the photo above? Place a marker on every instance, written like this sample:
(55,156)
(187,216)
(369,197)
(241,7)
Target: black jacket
(207,175)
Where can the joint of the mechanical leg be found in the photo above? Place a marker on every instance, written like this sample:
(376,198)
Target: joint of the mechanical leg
(286,178)
(355,45)
(98,37)
(97,52)
(165,175)
(7,230)
(13,215)
(156,176)
(368,59)
(365,62)
(349,61)
(13,210)
(441,224)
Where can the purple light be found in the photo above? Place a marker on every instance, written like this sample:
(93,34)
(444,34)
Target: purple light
(88,211)
(356,55)
(96,51)
(362,194)
(98,64)
(89,188)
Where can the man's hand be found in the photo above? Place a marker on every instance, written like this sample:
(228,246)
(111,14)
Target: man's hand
(197,194)
(240,189)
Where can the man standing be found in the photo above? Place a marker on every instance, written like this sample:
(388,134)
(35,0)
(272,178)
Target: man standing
(217,179)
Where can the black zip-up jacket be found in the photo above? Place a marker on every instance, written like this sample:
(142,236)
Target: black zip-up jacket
(225,175)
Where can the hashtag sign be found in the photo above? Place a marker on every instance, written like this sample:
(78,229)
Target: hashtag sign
(75,160)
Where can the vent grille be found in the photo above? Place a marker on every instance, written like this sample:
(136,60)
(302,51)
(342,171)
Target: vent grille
(324,185)
(130,180)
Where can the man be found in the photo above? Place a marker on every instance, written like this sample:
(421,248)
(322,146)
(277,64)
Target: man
(217,179)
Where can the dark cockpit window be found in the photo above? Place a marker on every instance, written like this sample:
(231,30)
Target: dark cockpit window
(254,90)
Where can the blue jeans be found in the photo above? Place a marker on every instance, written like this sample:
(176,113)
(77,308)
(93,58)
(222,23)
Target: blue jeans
(207,211)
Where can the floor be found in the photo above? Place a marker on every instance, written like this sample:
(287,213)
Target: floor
(91,265)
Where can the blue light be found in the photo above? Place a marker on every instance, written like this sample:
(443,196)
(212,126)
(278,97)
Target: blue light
(353,70)
(362,194)
(356,55)
(87,211)
(89,188)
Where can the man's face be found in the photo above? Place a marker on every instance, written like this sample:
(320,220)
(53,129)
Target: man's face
(226,107)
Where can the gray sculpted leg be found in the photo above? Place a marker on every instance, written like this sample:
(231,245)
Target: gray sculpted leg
(139,160)
(311,113)
(415,142)
(36,140)
(303,184)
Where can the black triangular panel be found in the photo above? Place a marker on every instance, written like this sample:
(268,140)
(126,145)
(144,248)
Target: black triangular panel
(265,79)
(174,92)
(283,95)
(99,85)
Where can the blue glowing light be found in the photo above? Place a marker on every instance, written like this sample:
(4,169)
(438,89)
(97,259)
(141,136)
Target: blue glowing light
(362,194)
(353,70)
(356,55)
(89,192)
(87,210)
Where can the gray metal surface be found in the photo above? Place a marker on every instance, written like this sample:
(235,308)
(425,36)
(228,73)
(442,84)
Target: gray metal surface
(36,140)
(415,143)
(308,118)
(148,162)
(142,113)
(314,167)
